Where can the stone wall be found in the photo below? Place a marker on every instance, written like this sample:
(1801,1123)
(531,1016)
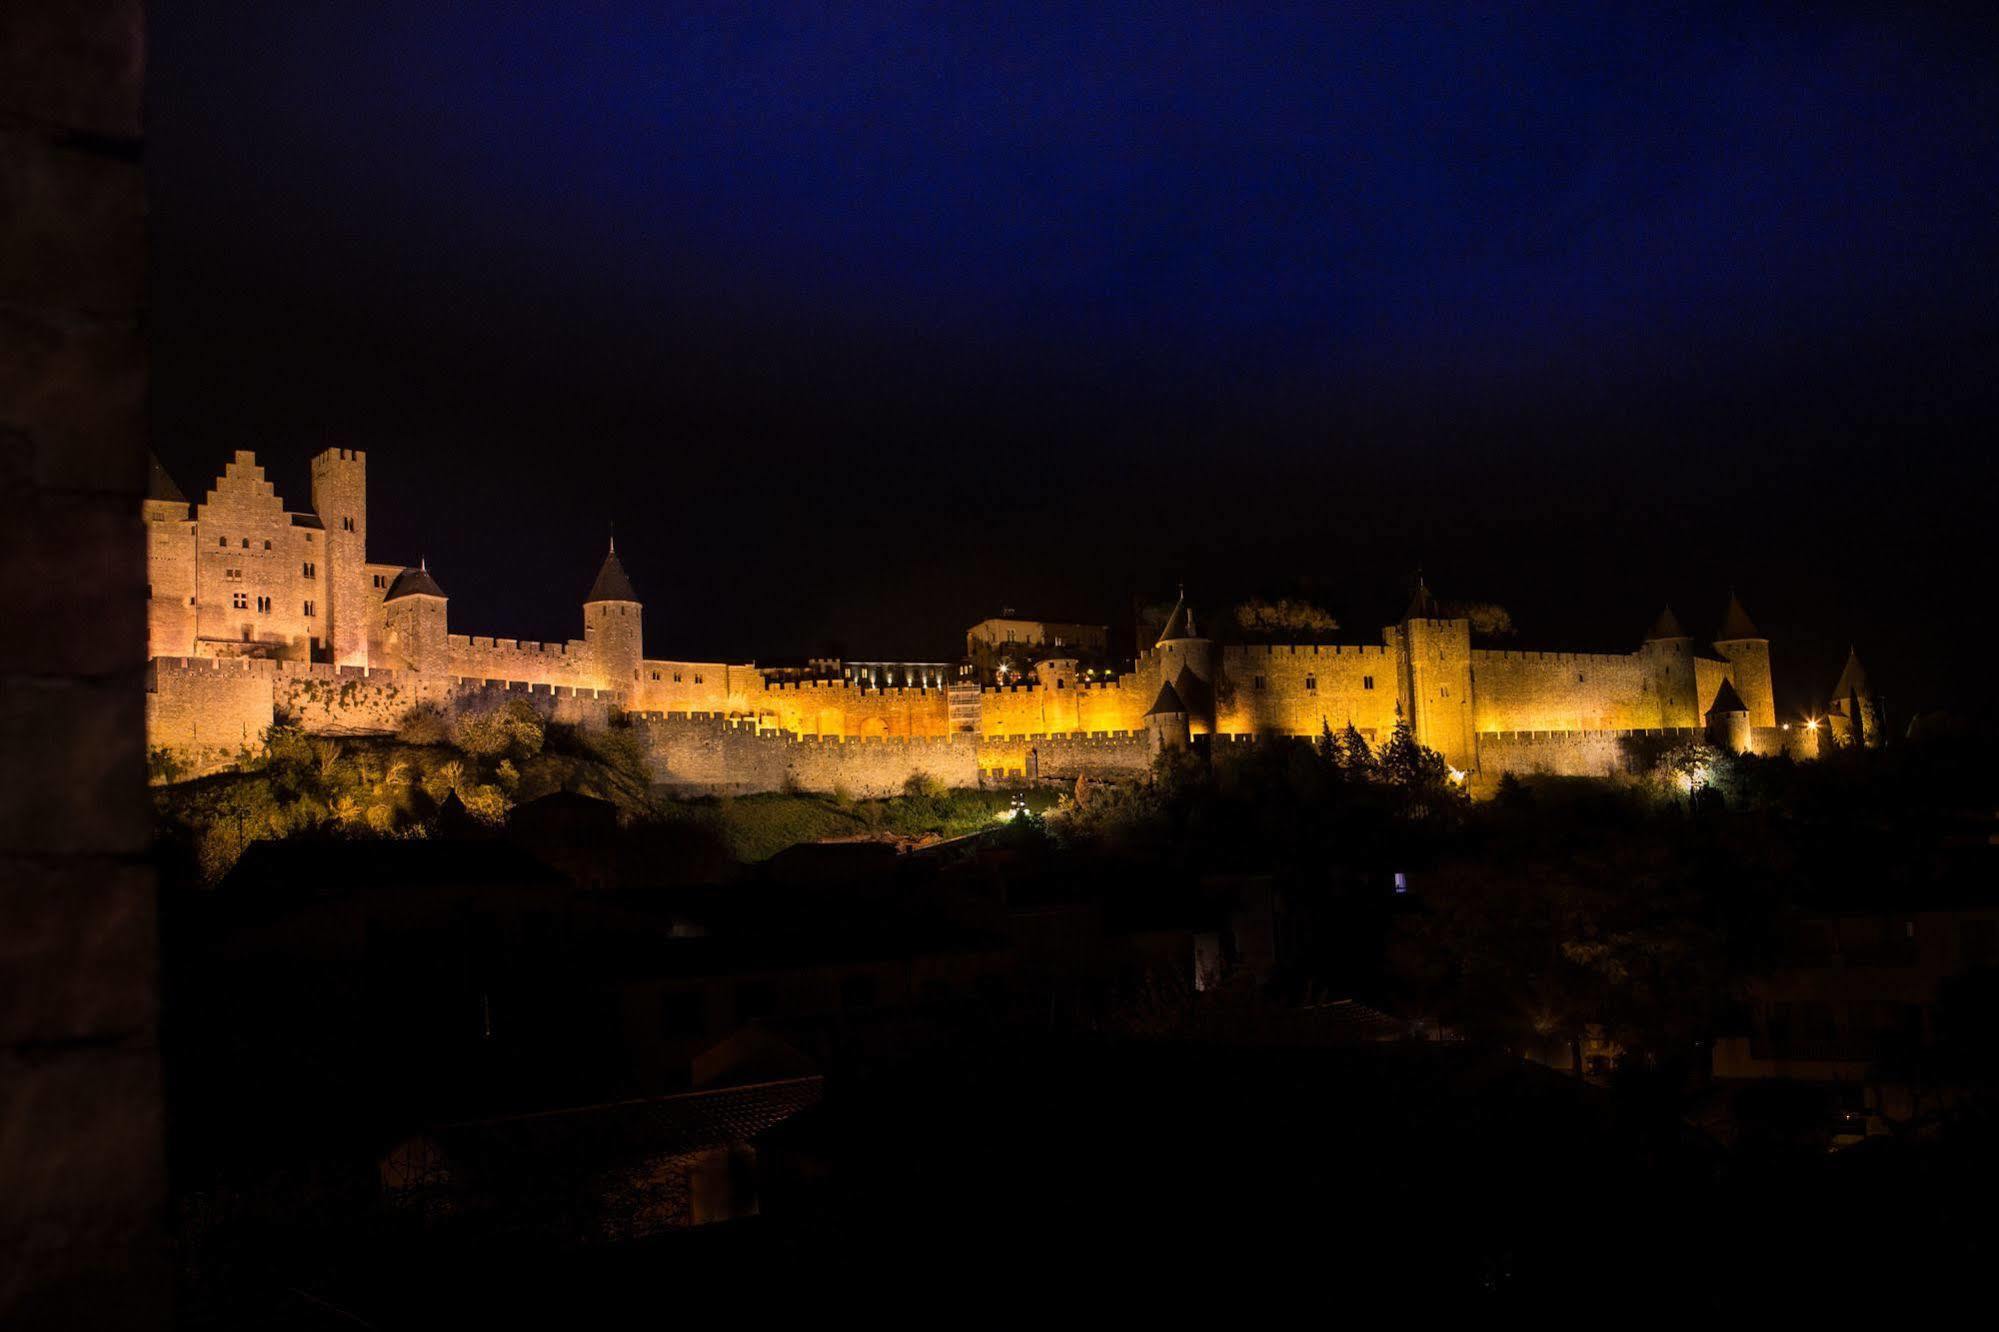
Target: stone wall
(206,710)
(513,659)
(1605,753)
(1301,689)
(1560,691)
(706,754)
(81,1166)
(1112,754)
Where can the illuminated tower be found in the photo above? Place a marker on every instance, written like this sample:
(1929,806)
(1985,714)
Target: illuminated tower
(1433,677)
(1186,661)
(1728,720)
(1745,649)
(413,613)
(170,565)
(1668,657)
(613,634)
(1854,715)
(340,498)
(1166,720)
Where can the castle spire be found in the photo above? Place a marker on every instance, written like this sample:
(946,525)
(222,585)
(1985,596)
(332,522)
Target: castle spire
(611,584)
(1735,622)
(1422,606)
(1852,680)
(1180,624)
(1666,626)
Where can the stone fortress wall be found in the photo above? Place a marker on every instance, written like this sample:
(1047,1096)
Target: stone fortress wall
(258,614)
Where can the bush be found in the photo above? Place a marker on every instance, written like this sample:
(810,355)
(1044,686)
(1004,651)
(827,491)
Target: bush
(512,730)
(423,725)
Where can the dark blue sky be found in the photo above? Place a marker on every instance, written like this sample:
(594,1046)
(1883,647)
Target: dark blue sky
(859,325)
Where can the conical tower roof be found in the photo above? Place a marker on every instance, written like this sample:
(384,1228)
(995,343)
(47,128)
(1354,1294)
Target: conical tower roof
(1422,606)
(415,582)
(1726,700)
(1666,626)
(1852,680)
(611,584)
(1735,623)
(159,485)
(1180,624)
(1167,702)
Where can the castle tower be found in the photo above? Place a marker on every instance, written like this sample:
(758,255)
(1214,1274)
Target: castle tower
(1433,677)
(1186,661)
(340,498)
(1853,714)
(1745,649)
(1668,657)
(414,630)
(1728,720)
(170,566)
(1166,721)
(612,630)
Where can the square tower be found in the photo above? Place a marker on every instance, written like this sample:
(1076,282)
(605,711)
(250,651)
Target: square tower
(340,498)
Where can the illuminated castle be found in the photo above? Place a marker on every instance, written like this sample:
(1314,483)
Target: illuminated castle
(259,614)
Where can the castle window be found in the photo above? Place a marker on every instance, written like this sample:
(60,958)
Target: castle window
(246,543)
(222,541)
(1312,683)
(239,600)
(346,524)
(309,570)
(267,545)
(308,610)
(676,677)
(697,679)
(1257,683)
(1367,682)
(1059,684)
(381,580)
(263,605)
(1444,691)
(655,675)
(1579,677)
(232,575)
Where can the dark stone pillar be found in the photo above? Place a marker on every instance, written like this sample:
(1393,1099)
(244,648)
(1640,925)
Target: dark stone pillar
(81,1175)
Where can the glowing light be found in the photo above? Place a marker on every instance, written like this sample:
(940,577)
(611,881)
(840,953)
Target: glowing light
(1812,724)
(1458,775)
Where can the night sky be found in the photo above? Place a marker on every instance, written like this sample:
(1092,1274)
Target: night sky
(861,327)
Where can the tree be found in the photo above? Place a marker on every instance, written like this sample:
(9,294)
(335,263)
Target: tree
(1488,619)
(1688,768)
(1406,762)
(1285,618)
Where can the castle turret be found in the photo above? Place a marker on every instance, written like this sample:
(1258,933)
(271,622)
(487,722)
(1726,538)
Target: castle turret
(1669,672)
(1748,654)
(612,629)
(1185,660)
(340,498)
(415,634)
(1167,720)
(1433,677)
(1853,714)
(170,566)
(1728,721)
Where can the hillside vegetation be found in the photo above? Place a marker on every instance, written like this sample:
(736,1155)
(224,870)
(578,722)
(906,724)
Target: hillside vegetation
(392,786)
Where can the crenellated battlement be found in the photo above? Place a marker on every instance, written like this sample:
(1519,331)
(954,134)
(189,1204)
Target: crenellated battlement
(1580,736)
(474,643)
(1267,650)
(1552,658)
